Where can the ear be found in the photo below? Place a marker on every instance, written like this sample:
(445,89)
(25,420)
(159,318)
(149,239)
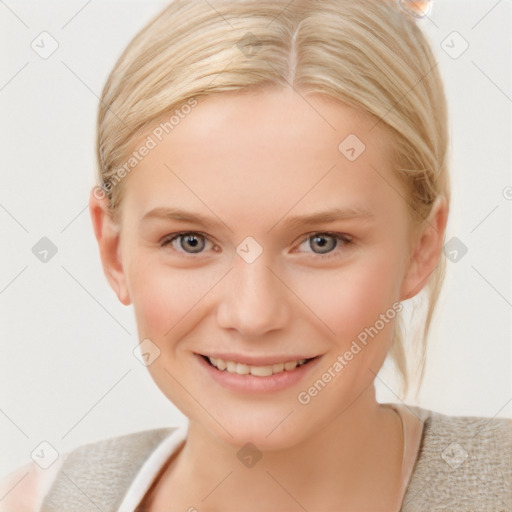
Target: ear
(107,234)
(426,250)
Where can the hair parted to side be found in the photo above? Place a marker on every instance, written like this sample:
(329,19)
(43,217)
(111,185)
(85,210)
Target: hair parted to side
(365,53)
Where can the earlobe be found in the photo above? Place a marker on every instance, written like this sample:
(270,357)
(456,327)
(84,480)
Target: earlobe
(426,251)
(107,235)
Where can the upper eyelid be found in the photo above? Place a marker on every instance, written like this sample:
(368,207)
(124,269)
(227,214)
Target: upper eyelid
(173,236)
(342,237)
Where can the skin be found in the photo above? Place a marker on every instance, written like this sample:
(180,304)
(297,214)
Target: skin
(250,162)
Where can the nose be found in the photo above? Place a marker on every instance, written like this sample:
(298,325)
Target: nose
(254,301)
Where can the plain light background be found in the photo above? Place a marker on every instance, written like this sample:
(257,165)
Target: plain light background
(68,374)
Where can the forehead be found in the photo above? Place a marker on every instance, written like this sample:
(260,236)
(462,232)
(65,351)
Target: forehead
(281,122)
(266,150)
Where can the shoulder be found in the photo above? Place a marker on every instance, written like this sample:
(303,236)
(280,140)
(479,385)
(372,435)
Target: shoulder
(464,463)
(131,446)
(98,468)
(23,489)
(97,475)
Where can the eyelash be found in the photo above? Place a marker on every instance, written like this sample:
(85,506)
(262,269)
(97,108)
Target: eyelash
(345,239)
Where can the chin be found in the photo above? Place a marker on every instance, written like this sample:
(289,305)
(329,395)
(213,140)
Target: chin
(261,437)
(269,428)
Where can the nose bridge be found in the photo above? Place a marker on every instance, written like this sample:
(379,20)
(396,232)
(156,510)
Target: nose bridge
(253,301)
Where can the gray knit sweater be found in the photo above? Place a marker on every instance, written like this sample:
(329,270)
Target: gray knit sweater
(463,464)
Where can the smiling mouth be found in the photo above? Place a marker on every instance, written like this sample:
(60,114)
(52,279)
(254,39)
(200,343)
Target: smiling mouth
(258,371)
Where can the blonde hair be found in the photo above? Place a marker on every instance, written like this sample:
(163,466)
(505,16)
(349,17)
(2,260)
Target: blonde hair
(365,53)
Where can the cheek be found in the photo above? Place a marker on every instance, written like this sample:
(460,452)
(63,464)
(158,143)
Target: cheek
(160,295)
(166,299)
(353,298)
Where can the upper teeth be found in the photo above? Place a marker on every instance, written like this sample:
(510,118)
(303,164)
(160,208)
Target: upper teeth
(258,371)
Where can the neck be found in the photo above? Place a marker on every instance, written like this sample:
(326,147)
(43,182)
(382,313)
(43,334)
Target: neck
(353,463)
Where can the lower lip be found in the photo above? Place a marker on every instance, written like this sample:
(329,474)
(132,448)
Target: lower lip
(252,384)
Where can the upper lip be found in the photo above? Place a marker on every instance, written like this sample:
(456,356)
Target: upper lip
(253,360)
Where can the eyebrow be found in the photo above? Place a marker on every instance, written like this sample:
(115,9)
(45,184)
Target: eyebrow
(321,217)
(178,214)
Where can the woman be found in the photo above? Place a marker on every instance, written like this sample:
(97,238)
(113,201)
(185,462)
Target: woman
(301,149)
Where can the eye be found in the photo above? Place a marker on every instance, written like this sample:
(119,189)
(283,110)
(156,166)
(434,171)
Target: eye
(326,243)
(192,242)
(189,242)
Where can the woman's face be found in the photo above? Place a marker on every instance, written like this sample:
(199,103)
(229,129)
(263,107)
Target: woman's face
(254,281)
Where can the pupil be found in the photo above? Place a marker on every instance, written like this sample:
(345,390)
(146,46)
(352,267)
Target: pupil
(321,241)
(192,240)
